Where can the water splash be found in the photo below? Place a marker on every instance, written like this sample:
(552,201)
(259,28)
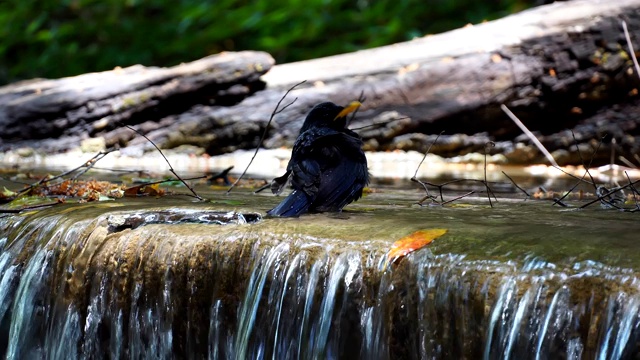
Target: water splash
(84,289)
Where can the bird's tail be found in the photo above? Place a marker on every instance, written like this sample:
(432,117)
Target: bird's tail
(295,204)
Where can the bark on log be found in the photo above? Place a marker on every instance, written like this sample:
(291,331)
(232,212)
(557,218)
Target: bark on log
(60,112)
(560,66)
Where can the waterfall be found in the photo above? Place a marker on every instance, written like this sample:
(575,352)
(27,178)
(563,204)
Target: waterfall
(73,285)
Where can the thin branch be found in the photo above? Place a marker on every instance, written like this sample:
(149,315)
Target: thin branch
(533,138)
(634,191)
(275,112)
(263,187)
(380,123)
(415,175)
(609,193)
(88,163)
(29,207)
(516,185)
(460,197)
(586,167)
(361,100)
(490,143)
(168,163)
(625,161)
(631,51)
(593,154)
(168,180)
(88,166)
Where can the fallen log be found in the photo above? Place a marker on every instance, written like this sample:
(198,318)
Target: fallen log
(58,113)
(557,67)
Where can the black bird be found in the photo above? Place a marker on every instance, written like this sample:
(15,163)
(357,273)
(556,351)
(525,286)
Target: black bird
(328,169)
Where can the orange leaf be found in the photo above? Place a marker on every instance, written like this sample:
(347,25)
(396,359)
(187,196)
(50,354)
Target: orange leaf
(144,189)
(413,242)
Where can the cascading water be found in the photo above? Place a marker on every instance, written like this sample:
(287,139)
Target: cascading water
(130,285)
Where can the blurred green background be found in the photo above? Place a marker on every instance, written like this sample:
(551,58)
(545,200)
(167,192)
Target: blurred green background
(55,38)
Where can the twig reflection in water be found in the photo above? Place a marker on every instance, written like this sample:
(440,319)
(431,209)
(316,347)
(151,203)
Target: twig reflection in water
(72,289)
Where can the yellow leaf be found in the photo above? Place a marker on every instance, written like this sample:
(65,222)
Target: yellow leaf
(413,242)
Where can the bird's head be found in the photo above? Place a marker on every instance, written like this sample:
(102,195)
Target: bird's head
(328,114)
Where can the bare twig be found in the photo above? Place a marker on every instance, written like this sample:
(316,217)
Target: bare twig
(415,175)
(168,163)
(559,202)
(29,207)
(490,143)
(609,193)
(533,138)
(88,166)
(634,191)
(516,185)
(277,110)
(263,188)
(361,100)
(625,161)
(587,167)
(460,197)
(168,180)
(89,163)
(631,51)
(380,123)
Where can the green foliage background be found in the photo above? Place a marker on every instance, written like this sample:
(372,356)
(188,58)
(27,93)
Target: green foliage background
(55,38)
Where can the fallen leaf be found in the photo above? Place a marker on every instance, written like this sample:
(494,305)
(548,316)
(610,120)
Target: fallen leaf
(413,242)
(144,190)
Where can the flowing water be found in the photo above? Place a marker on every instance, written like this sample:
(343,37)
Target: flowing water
(172,278)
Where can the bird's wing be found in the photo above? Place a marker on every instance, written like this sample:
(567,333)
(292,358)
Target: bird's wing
(331,167)
(307,160)
(342,181)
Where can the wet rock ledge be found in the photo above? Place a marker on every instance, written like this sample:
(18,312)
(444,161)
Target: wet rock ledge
(195,281)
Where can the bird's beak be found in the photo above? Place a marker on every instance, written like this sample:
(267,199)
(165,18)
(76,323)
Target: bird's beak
(348,109)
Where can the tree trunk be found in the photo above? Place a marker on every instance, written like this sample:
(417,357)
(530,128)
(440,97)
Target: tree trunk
(59,113)
(557,67)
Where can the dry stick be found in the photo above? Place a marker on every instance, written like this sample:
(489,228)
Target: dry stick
(634,191)
(609,193)
(490,143)
(441,186)
(533,138)
(380,123)
(361,100)
(415,175)
(541,147)
(168,163)
(586,167)
(266,128)
(631,51)
(516,185)
(593,182)
(91,161)
(168,180)
(30,207)
(88,166)
(626,161)
(459,197)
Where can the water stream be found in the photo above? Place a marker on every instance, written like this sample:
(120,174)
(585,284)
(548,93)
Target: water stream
(145,279)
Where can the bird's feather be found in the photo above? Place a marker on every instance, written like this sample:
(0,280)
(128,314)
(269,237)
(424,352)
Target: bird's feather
(296,203)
